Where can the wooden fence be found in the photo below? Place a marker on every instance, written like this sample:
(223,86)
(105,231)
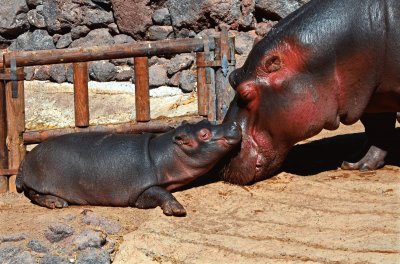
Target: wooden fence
(214,61)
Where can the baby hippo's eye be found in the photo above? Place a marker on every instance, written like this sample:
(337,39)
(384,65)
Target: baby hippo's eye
(204,134)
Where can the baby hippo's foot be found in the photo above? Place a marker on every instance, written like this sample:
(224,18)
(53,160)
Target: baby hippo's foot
(374,159)
(46,200)
(173,207)
(158,196)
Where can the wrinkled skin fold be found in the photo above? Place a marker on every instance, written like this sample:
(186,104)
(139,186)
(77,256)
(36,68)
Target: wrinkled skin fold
(329,62)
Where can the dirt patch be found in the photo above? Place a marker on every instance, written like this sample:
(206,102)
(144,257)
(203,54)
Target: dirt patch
(310,212)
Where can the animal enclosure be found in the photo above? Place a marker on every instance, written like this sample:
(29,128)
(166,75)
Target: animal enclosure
(215,59)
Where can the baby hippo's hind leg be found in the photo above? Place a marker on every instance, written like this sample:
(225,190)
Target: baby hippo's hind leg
(46,200)
(158,196)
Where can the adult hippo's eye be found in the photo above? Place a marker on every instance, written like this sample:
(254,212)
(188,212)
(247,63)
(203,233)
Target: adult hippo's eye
(247,94)
(204,134)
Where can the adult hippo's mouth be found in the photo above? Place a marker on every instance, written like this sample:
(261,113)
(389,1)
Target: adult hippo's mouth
(252,163)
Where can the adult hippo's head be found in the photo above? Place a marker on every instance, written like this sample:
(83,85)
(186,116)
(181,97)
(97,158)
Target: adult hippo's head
(277,104)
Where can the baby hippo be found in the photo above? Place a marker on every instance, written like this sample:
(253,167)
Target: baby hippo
(123,169)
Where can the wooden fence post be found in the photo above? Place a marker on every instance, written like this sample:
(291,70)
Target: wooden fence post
(3,136)
(202,89)
(15,126)
(81,94)
(142,95)
(224,52)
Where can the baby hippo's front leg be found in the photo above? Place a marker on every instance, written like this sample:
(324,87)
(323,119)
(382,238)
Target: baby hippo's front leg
(158,196)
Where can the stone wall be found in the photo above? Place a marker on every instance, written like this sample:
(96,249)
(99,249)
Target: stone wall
(59,24)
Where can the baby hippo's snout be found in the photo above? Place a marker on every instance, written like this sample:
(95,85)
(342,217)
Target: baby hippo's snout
(232,132)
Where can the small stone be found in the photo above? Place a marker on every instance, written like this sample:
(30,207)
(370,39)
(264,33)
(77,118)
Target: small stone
(12,237)
(29,73)
(108,225)
(7,252)
(244,42)
(113,28)
(157,75)
(180,62)
(160,32)
(50,259)
(79,31)
(122,38)
(162,17)
(22,258)
(93,256)
(102,71)
(125,75)
(89,238)
(58,232)
(187,81)
(174,80)
(70,78)
(42,73)
(58,73)
(36,19)
(64,41)
(164,91)
(37,246)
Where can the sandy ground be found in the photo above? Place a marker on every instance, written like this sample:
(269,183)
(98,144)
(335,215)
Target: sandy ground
(311,212)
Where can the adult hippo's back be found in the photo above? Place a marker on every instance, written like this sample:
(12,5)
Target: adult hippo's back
(330,61)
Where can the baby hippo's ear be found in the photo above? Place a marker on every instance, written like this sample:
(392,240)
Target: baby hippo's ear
(184,122)
(181,139)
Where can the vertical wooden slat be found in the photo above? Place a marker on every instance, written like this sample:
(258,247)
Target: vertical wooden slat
(142,95)
(202,91)
(15,127)
(3,136)
(81,94)
(224,92)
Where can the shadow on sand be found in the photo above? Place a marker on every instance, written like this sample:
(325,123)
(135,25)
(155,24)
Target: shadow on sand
(329,153)
(319,156)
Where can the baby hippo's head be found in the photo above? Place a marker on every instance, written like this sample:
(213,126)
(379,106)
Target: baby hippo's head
(206,143)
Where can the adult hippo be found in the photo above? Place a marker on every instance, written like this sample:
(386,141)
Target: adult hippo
(123,169)
(329,62)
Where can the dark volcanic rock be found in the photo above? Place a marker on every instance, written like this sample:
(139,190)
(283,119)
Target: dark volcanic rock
(157,75)
(180,62)
(14,19)
(244,42)
(93,256)
(64,41)
(8,252)
(122,38)
(125,75)
(95,37)
(162,17)
(42,73)
(50,259)
(89,238)
(133,17)
(108,225)
(187,81)
(79,31)
(160,32)
(37,246)
(36,40)
(36,19)
(102,71)
(22,258)
(58,73)
(97,18)
(58,232)
(203,14)
(264,27)
(279,8)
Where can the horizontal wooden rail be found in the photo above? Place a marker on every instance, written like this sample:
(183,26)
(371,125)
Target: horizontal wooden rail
(156,126)
(8,172)
(118,51)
